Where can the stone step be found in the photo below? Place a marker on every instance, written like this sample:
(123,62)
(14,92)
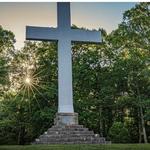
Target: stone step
(74,142)
(68,126)
(68,132)
(71,139)
(68,135)
(68,129)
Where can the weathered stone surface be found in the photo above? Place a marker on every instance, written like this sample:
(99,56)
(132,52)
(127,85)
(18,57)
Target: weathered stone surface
(69,134)
(66,119)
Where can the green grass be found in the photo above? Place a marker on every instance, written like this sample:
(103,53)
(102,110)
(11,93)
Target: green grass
(79,147)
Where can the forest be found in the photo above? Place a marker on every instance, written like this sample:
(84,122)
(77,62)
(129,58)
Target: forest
(111,83)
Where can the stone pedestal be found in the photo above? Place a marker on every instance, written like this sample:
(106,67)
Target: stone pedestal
(66,130)
(63,119)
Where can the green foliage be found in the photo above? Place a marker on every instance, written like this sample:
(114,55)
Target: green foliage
(6,48)
(119,133)
(6,40)
(111,83)
(30,109)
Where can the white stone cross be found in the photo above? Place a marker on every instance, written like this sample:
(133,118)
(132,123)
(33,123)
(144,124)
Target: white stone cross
(64,35)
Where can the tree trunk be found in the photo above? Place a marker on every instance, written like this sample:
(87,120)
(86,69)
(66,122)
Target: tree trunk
(139,123)
(19,135)
(141,116)
(143,125)
(100,122)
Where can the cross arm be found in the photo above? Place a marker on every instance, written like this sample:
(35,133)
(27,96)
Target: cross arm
(86,36)
(41,33)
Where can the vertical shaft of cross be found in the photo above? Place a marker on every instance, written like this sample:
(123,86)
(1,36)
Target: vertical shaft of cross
(65,102)
(63,13)
(65,92)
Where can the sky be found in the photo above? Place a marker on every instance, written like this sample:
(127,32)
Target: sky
(14,16)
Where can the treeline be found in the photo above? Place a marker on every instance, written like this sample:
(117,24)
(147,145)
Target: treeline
(111,83)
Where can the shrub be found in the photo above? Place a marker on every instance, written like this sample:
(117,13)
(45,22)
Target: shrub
(119,133)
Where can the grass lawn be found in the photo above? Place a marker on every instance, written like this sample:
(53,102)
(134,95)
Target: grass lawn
(79,147)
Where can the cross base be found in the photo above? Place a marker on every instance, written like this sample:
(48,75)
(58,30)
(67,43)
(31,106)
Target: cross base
(66,130)
(63,119)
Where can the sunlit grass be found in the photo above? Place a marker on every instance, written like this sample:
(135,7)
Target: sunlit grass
(80,147)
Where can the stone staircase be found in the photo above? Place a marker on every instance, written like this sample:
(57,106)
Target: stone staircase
(69,134)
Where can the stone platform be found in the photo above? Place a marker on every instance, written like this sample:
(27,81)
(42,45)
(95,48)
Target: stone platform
(67,133)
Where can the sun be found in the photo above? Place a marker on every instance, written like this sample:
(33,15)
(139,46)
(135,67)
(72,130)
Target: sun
(27,80)
(29,86)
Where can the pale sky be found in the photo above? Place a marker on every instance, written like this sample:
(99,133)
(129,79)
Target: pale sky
(15,16)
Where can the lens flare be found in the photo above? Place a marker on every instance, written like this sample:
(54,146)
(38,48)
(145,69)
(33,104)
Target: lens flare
(27,80)
(31,82)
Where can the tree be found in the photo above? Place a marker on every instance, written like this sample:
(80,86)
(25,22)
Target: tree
(119,133)
(30,106)
(6,47)
(130,43)
(111,83)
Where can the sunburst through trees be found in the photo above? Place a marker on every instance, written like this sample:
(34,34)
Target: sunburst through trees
(29,78)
